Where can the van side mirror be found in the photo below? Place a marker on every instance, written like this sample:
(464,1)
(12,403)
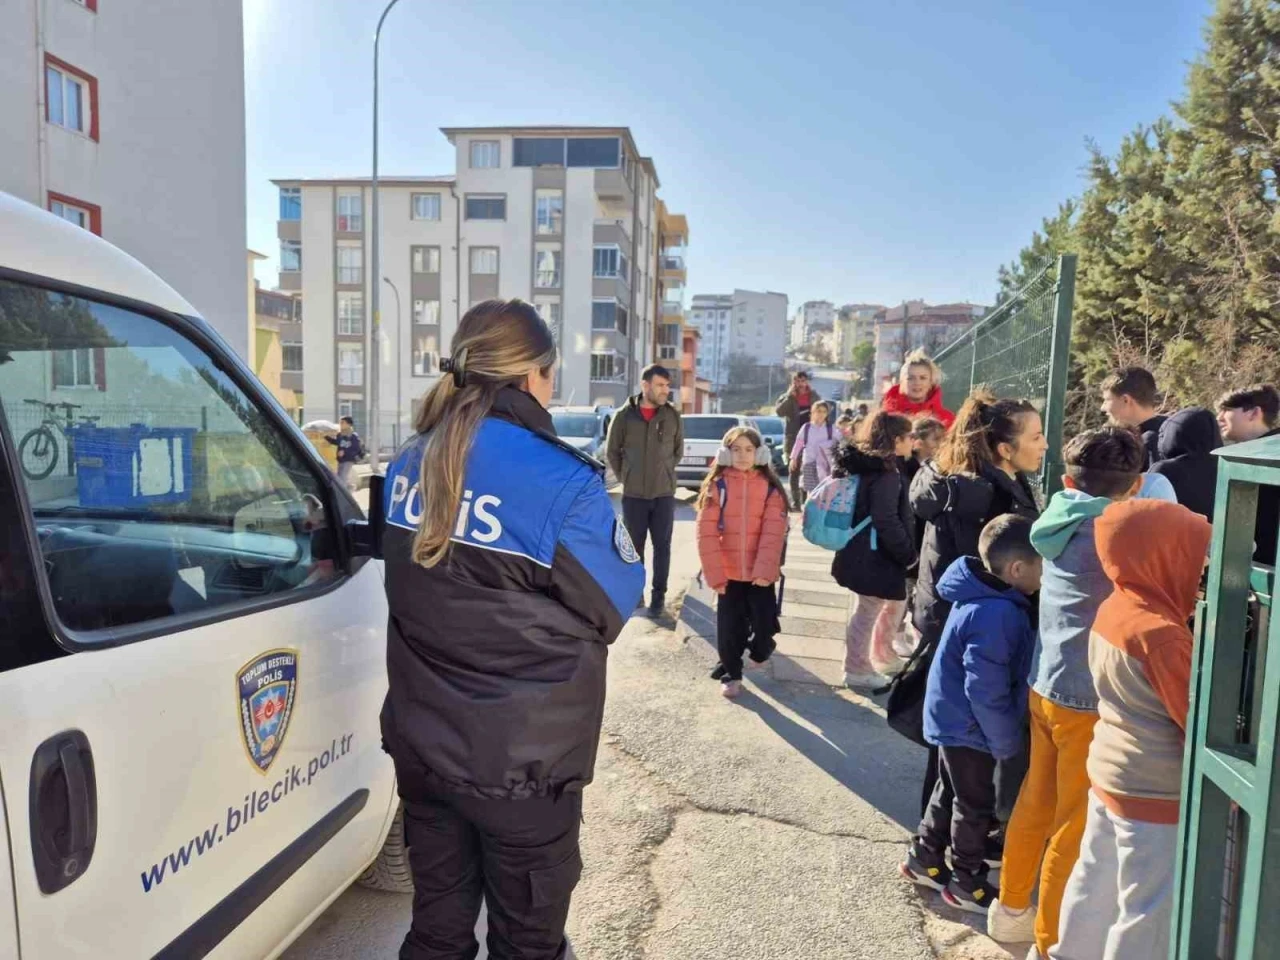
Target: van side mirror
(364,537)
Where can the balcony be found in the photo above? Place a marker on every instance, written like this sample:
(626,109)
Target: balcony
(612,230)
(613,185)
(673,309)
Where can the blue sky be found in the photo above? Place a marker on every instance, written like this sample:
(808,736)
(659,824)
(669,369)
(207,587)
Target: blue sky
(857,151)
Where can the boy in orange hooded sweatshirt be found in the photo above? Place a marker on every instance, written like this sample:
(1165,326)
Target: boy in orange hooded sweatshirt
(742,527)
(1118,903)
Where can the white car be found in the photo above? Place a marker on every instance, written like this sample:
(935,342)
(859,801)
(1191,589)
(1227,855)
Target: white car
(192,629)
(702,435)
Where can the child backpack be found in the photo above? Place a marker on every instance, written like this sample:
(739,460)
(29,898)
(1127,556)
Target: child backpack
(828,514)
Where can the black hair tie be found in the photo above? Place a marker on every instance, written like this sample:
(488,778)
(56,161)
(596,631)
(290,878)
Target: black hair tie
(457,366)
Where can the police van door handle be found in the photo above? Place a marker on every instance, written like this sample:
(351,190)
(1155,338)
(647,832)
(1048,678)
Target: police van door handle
(63,809)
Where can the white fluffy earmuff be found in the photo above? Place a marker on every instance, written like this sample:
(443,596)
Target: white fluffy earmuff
(764,457)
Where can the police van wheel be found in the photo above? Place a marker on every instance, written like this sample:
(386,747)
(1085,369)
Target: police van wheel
(391,871)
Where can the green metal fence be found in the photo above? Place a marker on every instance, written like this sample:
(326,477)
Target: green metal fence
(1229,835)
(1021,349)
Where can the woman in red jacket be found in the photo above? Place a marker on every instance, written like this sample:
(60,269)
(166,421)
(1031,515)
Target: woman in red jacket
(918,392)
(742,527)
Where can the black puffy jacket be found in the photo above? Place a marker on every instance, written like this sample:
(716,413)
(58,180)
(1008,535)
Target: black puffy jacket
(496,655)
(955,508)
(882,495)
(1187,441)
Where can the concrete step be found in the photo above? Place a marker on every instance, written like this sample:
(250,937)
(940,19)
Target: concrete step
(799,591)
(816,585)
(811,628)
(820,648)
(811,611)
(829,673)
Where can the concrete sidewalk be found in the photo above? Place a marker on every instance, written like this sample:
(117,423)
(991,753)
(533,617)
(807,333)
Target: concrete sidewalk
(815,610)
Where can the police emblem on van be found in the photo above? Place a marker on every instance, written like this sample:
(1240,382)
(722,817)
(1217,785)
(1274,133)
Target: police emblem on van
(266,687)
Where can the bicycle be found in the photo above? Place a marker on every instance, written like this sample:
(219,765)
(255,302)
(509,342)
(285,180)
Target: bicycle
(38,449)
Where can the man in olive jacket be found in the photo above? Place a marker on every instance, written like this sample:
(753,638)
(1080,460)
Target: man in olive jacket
(646,441)
(793,407)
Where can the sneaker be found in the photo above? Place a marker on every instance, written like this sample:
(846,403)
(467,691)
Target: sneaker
(1034,954)
(1010,926)
(657,606)
(750,664)
(731,689)
(718,672)
(925,869)
(865,681)
(971,894)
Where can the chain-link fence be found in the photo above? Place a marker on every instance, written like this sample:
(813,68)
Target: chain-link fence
(1020,349)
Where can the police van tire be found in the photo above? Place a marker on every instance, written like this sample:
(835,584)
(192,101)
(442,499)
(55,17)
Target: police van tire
(390,871)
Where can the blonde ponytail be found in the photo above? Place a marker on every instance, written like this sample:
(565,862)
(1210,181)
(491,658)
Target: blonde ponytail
(498,342)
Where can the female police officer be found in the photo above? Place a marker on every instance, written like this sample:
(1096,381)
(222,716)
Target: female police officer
(507,576)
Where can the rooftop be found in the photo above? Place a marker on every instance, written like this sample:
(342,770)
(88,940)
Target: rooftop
(383,180)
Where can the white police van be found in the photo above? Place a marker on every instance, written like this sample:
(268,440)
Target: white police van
(192,634)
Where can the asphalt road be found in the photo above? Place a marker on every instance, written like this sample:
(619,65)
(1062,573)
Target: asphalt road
(765,829)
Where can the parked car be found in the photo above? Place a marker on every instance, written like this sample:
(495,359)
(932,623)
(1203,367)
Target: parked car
(584,427)
(702,435)
(194,629)
(774,431)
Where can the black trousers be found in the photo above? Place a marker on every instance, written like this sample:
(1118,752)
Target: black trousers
(746,619)
(962,809)
(521,856)
(652,519)
(797,495)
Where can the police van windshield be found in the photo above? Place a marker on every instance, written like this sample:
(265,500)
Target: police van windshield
(574,424)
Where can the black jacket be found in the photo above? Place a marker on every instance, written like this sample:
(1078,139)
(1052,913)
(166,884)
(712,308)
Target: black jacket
(496,655)
(910,466)
(955,509)
(882,495)
(1149,431)
(1268,520)
(1187,441)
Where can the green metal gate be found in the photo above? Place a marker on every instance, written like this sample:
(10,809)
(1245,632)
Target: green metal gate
(1229,835)
(1021,349)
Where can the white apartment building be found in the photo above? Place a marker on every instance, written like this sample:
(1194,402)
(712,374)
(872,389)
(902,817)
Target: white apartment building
(564,217)
(745,322)
(710,314)
(127,118)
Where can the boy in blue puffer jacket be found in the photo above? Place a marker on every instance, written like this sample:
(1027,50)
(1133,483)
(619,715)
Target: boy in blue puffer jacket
(975,706)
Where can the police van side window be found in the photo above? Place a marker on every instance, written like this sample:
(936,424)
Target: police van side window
(158,488)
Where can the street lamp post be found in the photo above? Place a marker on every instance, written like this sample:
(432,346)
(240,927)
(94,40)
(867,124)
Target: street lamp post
(395,436)
(375,328)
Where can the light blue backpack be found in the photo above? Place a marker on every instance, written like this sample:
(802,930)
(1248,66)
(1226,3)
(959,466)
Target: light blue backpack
(828,514)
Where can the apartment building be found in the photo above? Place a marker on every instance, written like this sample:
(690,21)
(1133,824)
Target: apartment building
(813,315)
(855,325)
(670,342)
(710,315)
(277,346)
(113,118)
(914,325)
(564,217)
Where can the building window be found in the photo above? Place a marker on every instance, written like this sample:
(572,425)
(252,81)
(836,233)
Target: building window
(426,312)
(425,361)
(291,357)
(610,261)
(537,152)
(70,98)
(549,309)
(350,210)
(608,315)
(546,267)
(70,212)
(486,207)
(426,259)
(290,255)
(608,367)
(290,203)
(73,369)
(350,262)
(425,206)
(484,260)
(353,409)
(350,365)
(485,154)
(550,211)
(350,313)
(594,152)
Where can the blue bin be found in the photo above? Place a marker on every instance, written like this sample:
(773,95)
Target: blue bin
(134,466)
